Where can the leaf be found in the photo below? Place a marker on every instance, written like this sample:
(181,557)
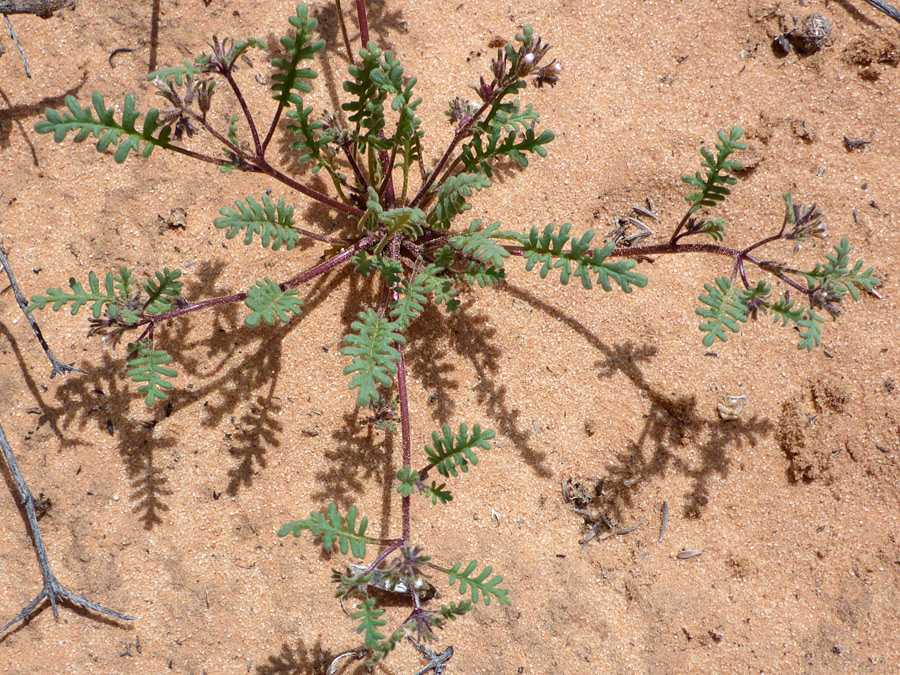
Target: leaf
(187,70)
(457,452)
(124,137)
(273,223)
(289,78)
(727,306)
(810,330)
(409,480)
(367,108)
(712,186)
(409,303)
(162,291)
(494,143)
(483,275)
(312,142)
(79,297)
(268,301)
(374,356)
(438,493)
(547,250)
(149,368)
(370,621)
(452,196)
(483,584)
(332,528)
(481,245)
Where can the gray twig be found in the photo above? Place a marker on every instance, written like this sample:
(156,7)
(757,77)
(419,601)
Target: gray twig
(664,523)
(58,368)
(41,8)
(15,38)
(437,662)
(890,10)
(52,590)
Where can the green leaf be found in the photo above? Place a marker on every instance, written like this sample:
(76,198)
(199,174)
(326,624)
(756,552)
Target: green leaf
(452,196)
(810,330)
(712,186)
(370,621)
(374,357)
(481,585)
(547,250)
(727,305)
(836,278)
(483,275)
(409,480)
(79,297)
(289,78)
(410,301)
(124,137)
(188,70)
(312,143)
(149,368)
(457,452)
(162,291)
(494,143)
(268,301)
(481,245)
(333,529)
(273,223)
(438,493)
(367,108)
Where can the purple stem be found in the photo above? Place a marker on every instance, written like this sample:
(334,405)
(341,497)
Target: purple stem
(461,132)
(260,149)
(363,22)
(293,282)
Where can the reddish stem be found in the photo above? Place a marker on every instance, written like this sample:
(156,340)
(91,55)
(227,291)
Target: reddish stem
(363,22)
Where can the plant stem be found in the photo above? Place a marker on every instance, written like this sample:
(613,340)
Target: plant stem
(343,23)
(405,436)
(260,149)
(461,132)
(363,22)
(293,282)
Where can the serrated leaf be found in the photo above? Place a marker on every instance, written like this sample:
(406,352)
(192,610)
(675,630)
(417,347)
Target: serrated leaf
(332,529)
(480,244)
(162,290)
(289,78)
(274,223)
(810,330)
(453,195)
(370,622)
(726,306)
(408,479)
(438,493)
(79,297)
(452,452)
(481,586)
(374,357)
(712,186)
(123,137)
(149,367)
(269,301)
(546,249)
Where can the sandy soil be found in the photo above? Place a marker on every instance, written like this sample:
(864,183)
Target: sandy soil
(170,514)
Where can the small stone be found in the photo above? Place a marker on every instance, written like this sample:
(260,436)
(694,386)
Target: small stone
(814,34)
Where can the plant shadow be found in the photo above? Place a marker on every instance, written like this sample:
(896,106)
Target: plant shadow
(236,363)
(14,114)
(671,422)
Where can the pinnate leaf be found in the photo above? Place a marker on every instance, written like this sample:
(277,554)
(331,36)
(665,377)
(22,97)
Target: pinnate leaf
(269,301)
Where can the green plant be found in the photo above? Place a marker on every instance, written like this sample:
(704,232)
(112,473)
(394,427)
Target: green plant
(400,225)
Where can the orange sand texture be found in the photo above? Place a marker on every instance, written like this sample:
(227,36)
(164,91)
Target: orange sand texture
(170,514)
